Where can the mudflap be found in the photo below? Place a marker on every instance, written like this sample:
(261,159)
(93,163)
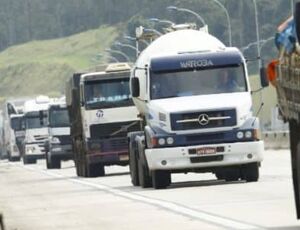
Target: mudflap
(295,161)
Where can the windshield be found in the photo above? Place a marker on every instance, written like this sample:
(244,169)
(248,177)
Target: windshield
(16,123)
(35,122)
(107,94)
(59,118)
(198,82)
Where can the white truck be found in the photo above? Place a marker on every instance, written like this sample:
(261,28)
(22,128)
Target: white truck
(59,145)
(17,135)
(36,130)
(101,113)
(195,119)
(9,109)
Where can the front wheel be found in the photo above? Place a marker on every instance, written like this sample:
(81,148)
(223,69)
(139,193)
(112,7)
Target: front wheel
(250,172)
(52,162)
(228,174)
(14,159)
(161,179)
(133,163)
(144,175)
(28,160)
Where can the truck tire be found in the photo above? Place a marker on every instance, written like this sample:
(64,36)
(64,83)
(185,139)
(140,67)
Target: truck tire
(250,172)
(220,175)
(14,159)
(144,175)
(28,160)
(161,179)
(94,170)
(81,169)
(228,174)
(53,163)
(133,162)
(77,162)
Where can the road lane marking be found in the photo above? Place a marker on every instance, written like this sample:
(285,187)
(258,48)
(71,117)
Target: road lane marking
(167,205)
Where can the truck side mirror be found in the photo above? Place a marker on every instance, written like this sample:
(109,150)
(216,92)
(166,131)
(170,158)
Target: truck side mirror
(135,87)
(41,116)
(264,81)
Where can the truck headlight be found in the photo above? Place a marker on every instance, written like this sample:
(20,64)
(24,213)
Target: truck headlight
(170,140)
(240,135)
(248,134)
(30,149)
(161,141)
(55,140)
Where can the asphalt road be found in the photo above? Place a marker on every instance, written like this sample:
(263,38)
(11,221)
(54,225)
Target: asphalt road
(33,198)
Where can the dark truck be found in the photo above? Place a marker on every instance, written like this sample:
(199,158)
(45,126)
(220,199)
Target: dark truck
(101,114)
(58,146)
(284,74)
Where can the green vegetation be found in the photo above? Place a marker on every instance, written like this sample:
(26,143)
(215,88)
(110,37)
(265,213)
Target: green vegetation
(42,67)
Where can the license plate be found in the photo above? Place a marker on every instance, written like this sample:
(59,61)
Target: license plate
(124,158)
(206,151)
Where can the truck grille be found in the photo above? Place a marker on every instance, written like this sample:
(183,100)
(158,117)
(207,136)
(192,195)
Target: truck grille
(203,120)
(117,129)
(114,145)
(40,138)
(64,139)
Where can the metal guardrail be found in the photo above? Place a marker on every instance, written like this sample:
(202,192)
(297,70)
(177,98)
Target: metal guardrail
(276,139)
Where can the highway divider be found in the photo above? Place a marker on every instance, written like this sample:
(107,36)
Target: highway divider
(276,139)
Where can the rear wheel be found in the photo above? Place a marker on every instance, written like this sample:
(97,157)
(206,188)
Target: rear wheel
(133,162)
(250,172)
(161,179)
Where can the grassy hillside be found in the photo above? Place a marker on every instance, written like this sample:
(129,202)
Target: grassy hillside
(42,67)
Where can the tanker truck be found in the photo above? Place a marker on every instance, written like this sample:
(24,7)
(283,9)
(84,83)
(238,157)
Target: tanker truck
(194,99)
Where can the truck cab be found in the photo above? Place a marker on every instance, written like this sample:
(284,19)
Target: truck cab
(36,130)
(58,146)
(195,100)
(101,117)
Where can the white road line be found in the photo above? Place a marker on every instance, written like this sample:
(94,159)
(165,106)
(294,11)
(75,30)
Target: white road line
(177,208)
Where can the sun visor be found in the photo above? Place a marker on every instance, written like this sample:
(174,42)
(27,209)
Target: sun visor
(185,61)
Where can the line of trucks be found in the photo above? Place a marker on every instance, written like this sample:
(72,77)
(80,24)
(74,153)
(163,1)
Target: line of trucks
(169,112)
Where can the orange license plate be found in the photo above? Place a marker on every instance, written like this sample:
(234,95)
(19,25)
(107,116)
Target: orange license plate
(206,151)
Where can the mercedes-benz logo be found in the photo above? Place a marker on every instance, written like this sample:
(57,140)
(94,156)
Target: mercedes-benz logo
(99,113)
(203,119)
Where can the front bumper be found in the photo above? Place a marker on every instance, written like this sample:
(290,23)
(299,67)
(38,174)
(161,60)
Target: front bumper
(61,151)
(112,151)
(36,150)
(181,158)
